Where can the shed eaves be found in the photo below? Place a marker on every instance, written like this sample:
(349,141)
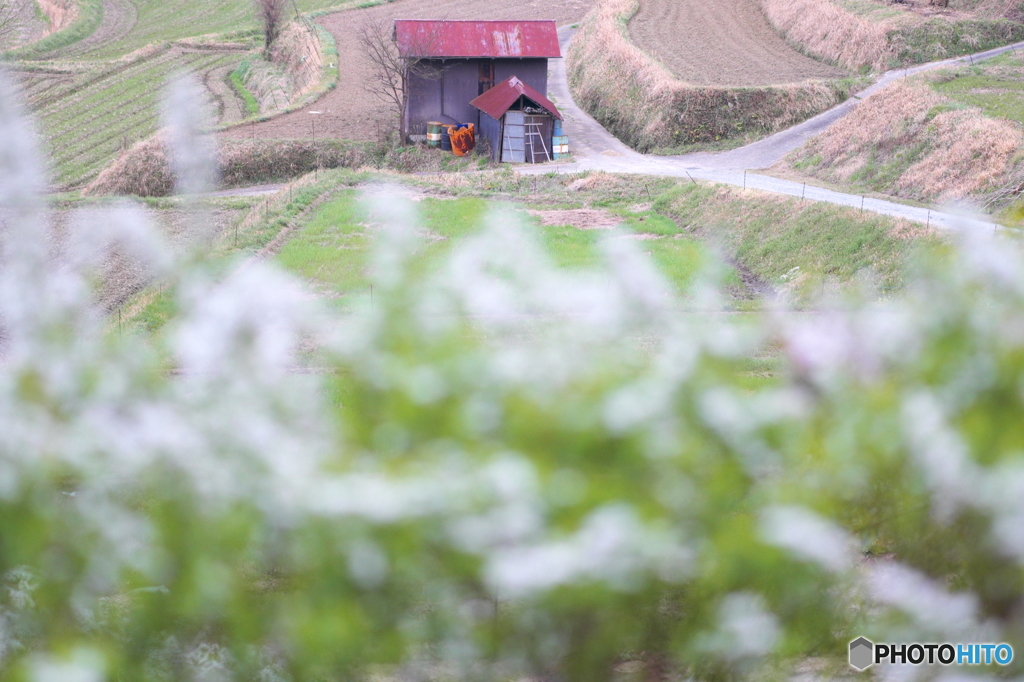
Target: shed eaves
(496,101)
(475,39)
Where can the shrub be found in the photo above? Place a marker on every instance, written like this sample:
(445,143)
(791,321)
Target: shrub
(144,170)
(496,469)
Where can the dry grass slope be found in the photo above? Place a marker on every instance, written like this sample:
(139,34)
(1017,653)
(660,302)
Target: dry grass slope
(907,140)
(879,40)
(648,108)
(828,31)
(60,13)
(145,169)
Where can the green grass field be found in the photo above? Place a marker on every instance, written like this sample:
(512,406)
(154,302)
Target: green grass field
(331,249)
(995,86)
(169,20)
(685,227)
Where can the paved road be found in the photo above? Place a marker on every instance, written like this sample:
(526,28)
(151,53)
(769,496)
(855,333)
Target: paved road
(594,148)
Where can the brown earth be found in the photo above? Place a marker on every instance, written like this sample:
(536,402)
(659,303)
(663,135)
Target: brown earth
(349,112)
(725,43)
(580,218)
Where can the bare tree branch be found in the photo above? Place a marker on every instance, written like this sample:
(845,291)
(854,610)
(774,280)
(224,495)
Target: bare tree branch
(392,73)
(10,11)
(270,14)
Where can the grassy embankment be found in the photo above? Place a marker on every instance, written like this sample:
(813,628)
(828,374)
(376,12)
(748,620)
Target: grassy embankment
(870,35)
(950,135)
(317,231)
(644,105)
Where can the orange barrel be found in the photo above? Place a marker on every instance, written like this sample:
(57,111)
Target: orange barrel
(434,134)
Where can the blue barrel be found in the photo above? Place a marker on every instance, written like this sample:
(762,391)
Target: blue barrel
(558,127)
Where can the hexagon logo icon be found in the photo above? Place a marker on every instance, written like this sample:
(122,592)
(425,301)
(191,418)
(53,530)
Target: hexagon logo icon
(862,653)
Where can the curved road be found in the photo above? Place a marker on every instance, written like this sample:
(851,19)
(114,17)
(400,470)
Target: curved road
(594,148)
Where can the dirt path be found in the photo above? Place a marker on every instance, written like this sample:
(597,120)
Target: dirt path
(230,108)
(727,42)
(119,17)
(350,112)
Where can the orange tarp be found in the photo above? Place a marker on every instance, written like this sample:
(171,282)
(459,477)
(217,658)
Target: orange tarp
(463,139)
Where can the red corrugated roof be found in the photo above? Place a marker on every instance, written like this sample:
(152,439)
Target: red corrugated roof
(495,39)
(496,101)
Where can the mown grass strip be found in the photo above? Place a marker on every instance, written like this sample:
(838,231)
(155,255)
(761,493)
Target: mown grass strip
(236,79)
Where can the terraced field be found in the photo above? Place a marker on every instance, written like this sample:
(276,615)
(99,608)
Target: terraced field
(129,25)
(100,94)
(88,116)
(733,46)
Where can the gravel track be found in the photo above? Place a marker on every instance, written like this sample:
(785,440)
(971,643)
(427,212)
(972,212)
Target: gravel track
(724,43)
(349,112)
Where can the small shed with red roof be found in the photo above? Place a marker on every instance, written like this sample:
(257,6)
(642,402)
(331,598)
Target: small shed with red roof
(457,61)
(518,121)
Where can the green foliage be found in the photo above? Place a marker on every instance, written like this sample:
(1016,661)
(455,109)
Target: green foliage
(236,79)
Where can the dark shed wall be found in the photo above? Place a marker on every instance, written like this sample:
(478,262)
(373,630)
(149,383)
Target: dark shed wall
(446,96)
(490,130)
(459,87)
(424,103)
(533,72)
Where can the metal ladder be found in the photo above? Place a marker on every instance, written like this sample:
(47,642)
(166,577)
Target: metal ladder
(533,130)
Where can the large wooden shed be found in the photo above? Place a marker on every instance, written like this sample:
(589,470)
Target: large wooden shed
(518,122)
(458,61)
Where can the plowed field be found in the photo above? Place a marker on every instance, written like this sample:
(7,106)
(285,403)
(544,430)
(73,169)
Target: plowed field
(349,111)
(725,42)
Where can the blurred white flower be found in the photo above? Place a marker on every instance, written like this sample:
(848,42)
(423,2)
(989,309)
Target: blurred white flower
(808,536)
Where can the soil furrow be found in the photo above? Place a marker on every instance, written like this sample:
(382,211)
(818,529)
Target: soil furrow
(726,43)
(119,17)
